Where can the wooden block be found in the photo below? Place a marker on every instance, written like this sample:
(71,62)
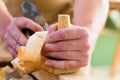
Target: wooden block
(56,71)
(63,22)
(82,74)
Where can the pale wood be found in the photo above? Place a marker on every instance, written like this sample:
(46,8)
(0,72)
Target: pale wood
(63,22)
(114,5)
(116,61)
(82,74)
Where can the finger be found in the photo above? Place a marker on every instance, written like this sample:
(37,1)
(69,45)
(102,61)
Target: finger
(12,42)
(67,34)
(52,28)
(69,55)
(71,45)
(23,22)
(17,34)
(65,64)
(10,50)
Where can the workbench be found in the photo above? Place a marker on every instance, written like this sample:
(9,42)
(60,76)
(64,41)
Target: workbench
(4,55)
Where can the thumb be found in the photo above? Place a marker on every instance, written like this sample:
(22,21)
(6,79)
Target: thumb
(23,22)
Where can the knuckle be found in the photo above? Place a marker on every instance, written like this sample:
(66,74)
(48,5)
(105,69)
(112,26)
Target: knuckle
(17,46)
(22,40)
(60,46)
(60,55)
(83,56)
(5,37)
(86,45)
(69,65)
(64,55)
(14,45)
(78,65)
(9,29)
(82,64)
(63,34)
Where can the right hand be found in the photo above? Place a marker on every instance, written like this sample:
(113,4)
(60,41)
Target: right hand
(14,38)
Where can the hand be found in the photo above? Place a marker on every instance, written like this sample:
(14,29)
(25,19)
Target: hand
(14,37)
(70,45)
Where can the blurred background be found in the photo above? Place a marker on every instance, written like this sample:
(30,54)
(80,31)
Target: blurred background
(105,59)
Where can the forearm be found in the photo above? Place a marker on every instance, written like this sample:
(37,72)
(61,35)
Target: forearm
(91,14)
(5,18)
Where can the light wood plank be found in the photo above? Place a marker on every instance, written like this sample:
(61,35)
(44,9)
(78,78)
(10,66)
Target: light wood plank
(82,74)
(114,5)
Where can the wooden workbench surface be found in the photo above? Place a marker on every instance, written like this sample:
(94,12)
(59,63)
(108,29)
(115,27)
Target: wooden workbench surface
(115,4)
(4,55)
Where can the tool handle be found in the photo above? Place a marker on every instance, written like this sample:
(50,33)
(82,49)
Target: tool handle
(63,21)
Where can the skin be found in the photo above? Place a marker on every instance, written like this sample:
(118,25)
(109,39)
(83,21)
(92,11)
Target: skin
(73,45)
(72,48)
(14,38)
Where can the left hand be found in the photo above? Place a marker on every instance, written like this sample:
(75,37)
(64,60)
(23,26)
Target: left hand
(71,45)
(14,38)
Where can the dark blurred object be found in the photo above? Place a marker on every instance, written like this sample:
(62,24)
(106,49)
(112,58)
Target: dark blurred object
(110,24)
(31,11)
(27,32)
